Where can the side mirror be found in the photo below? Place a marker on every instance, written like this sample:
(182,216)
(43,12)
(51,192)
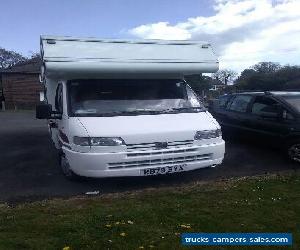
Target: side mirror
(285,115)
(43,111)
(42,96)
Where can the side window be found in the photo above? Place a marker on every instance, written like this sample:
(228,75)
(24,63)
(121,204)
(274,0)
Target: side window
(59,99)
(265,106)
(239,103)
(223,101)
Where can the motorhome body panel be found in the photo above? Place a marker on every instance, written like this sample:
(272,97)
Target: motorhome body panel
(151,128)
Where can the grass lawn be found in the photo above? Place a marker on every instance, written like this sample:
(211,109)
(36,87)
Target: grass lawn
(154,218)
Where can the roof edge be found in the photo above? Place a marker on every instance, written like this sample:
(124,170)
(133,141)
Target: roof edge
(114,40)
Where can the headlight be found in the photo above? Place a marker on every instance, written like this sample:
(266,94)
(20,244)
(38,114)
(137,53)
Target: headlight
(81,141)
(208,134)
(98,141)
(106,141)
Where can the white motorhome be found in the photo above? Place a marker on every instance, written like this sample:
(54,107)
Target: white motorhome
(122,108)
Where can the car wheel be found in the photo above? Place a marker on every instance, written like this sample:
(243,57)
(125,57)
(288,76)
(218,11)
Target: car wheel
(293,150)
(66,169)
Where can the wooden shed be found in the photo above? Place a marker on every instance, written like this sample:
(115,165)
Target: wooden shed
(21,86)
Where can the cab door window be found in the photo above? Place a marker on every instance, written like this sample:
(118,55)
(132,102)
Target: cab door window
(59,99)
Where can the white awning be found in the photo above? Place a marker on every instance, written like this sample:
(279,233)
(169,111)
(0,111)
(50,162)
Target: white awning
(74,57)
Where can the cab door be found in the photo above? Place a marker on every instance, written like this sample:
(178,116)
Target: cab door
(269,117)
(55,123)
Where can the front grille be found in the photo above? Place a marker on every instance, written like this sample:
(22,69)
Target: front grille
(162,152)
(152,146)
(153,162)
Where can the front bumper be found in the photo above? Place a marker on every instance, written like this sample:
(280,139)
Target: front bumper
(120,164)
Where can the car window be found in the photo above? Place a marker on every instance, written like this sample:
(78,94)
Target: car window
(239,103)
(264,106)
(223,101)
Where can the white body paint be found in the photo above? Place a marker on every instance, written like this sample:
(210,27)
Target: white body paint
(72,58)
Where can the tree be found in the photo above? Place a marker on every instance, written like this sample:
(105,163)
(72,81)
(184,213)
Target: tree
(266,67)
(290,77)
(225,76)
(9,58)
(199,83)
(34,55)
(269,76)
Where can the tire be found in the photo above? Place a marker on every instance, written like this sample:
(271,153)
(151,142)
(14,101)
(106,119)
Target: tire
(293,150)
(66,169)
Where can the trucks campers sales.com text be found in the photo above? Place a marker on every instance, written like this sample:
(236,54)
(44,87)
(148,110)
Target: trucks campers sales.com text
(235,239)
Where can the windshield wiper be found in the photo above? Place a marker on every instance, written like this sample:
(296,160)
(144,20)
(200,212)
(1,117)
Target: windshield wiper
(133,112)
(192,109)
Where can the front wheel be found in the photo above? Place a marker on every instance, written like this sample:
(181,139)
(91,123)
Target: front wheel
(66,169)
(293,150)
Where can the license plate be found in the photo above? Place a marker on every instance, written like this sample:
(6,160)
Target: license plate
(163,170)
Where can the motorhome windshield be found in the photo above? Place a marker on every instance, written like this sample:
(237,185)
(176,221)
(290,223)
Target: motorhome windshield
(130,97)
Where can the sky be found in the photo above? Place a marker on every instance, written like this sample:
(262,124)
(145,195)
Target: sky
(242,32)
